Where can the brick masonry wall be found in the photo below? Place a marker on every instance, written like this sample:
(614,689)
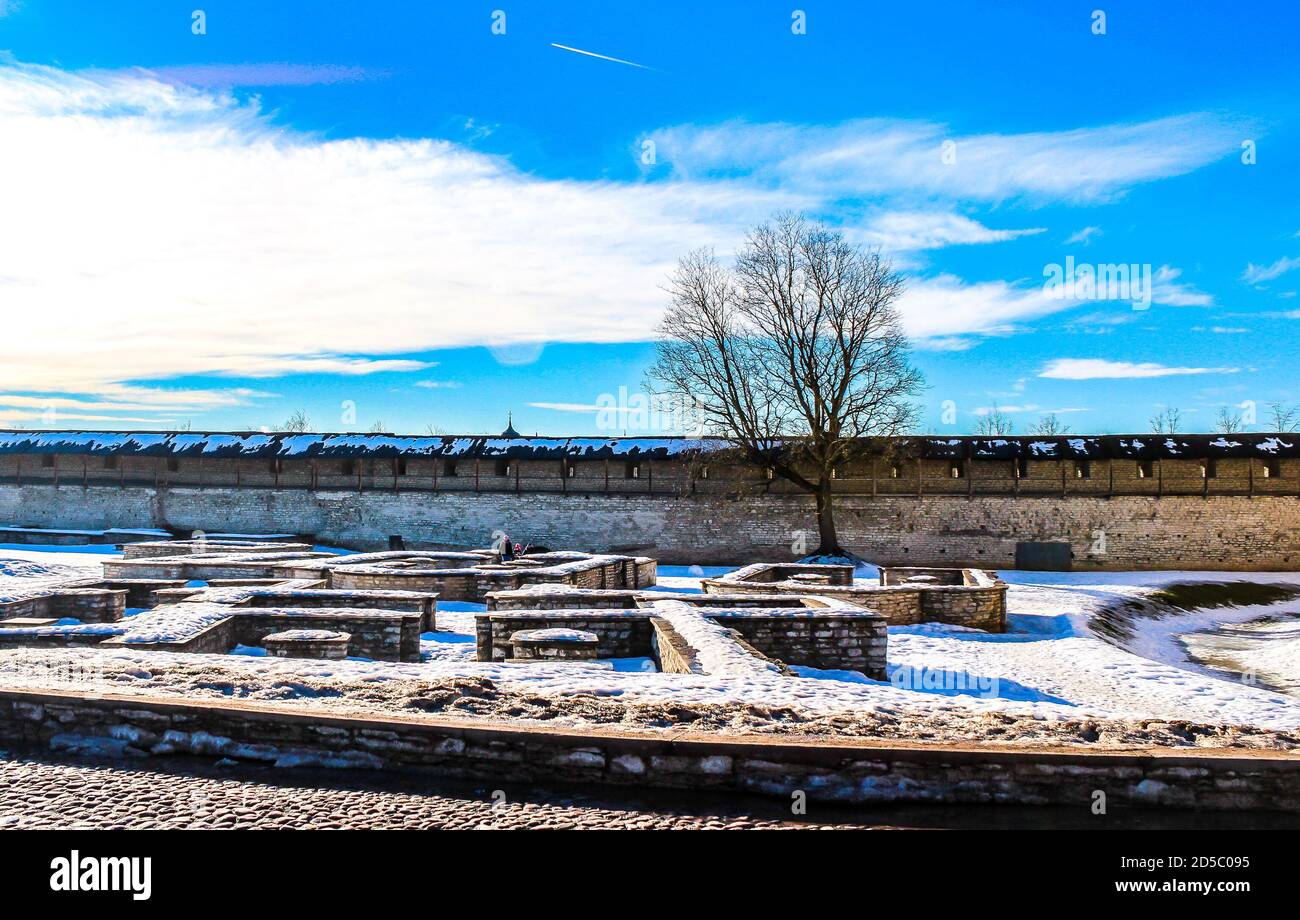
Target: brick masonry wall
(1124,532)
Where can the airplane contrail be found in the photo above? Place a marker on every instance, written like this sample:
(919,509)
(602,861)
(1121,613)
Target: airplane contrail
(603,57)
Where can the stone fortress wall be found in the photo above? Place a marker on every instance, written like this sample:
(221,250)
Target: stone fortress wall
(1184,505)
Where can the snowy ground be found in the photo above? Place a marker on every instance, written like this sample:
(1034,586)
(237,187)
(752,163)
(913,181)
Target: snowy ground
(946,681)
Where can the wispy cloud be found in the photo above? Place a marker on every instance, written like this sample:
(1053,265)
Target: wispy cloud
(883,156)
(1258,274)
(59,418)
(279,365)
(565,407)
(1028,407)
(1102,369)
(438,384)
(1168,290)
(1083,236)
(271,73)
(910,230)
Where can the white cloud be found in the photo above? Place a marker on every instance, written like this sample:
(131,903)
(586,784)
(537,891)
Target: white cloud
(565,407)
(154,230)
(944,306)
(1167,290)
(1257,274)
(438,384)
(1083,236)
(1028,407)
(1102,369)
(909,230)
(876,156)
(59,418)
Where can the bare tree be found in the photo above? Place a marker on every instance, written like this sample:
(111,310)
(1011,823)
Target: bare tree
(1167,421)
(1283,417)
(377,427)
(1049,426)
(1227,421)
(296,423)
(792,355)
(994,422)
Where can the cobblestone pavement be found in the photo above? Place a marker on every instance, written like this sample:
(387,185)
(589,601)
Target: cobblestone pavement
(40,789)
(44,790)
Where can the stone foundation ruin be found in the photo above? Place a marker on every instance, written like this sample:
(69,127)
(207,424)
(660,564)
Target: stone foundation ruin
(905,595)
(453,576)
(212,596)
(816,632)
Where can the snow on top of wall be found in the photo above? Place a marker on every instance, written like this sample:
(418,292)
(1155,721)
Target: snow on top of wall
(1275,445)
(344,445)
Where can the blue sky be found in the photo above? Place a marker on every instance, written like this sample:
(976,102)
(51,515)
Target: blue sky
(390,213)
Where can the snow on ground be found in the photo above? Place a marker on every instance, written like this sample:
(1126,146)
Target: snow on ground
(25,566)
(1049,666)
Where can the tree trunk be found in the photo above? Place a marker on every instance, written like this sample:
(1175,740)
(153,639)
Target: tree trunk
(829,542)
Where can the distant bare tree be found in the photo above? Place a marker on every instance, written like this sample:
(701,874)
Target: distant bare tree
(1283,417)
(1227,421)
(1167,421)
(378,427)
(1049,426)
(994,422)
(296,423)
(791,355)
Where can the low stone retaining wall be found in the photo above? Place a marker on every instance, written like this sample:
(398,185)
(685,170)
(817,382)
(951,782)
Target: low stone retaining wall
(378,634)
(207,567)
(315,598)
(450,584)
(603,599)
(831,640)
(621,634)
(384,635)
(206,545)
(673,653)
(52,537)
(139,591)
(963,597)
(976,608)
(852,771)
(90,605)
(308,643)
